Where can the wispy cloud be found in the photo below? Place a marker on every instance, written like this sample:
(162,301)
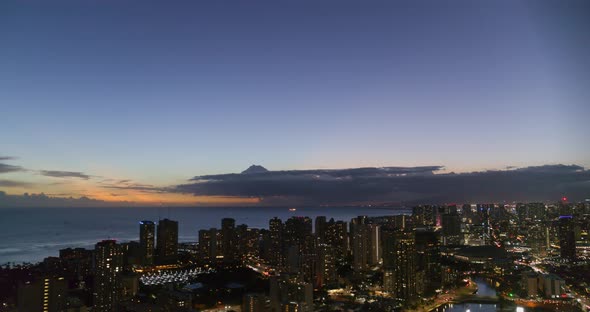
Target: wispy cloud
(7,158)
(128,184)
(44,200)
(139,187)
(4,168)
(64,174)
(12,183)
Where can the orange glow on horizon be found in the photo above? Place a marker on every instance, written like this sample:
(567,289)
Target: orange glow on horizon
(92,190)
(171,198)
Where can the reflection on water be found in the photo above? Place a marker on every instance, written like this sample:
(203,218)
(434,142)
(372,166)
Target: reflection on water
(483,289)
(470,307)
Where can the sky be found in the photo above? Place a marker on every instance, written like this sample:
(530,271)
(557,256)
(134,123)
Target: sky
(130,100)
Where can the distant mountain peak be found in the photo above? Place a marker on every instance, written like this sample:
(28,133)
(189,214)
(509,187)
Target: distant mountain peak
(254,169)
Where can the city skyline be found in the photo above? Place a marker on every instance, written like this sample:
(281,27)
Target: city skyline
(531,254)
(128,102)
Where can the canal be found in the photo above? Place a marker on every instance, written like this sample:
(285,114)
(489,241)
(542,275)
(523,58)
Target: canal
(483,289)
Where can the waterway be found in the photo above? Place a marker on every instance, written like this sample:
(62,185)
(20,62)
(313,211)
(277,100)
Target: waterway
(483,289)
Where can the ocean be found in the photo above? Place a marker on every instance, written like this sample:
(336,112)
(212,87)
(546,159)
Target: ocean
(31,234)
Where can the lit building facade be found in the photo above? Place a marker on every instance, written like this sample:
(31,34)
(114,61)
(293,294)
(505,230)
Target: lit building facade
(108,265)
(147,241)
(167,247)
(399,263)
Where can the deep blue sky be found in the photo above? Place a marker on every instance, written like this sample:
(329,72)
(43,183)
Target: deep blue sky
(162,91)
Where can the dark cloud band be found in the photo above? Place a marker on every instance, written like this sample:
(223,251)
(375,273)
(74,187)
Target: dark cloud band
(398,184)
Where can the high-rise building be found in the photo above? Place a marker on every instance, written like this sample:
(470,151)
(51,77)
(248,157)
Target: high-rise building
(147,236)
(108,264)
(276,245)
(43,294)
(552,285)
(466,210)
(242,242)
(320,228)
(535,236)
(293,307)
(530,284)
(204,246)
(297,229)
(451,228)
(290,290)
(399,263)
(129,285)
(326,265)
(167,247)
(418,215)
(228,240)
(299,244)
(366,243)
(567,240)
(133,253)
(401,221)
(209,241)
(249,240)
(359,243)
(308,259)
(428,256)
(537,211)
(293,259)
(254,303)
(337,238)
(565,208)
(78,263)
(374,232)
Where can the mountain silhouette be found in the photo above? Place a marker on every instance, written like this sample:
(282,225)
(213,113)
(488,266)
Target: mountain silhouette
(254,169)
